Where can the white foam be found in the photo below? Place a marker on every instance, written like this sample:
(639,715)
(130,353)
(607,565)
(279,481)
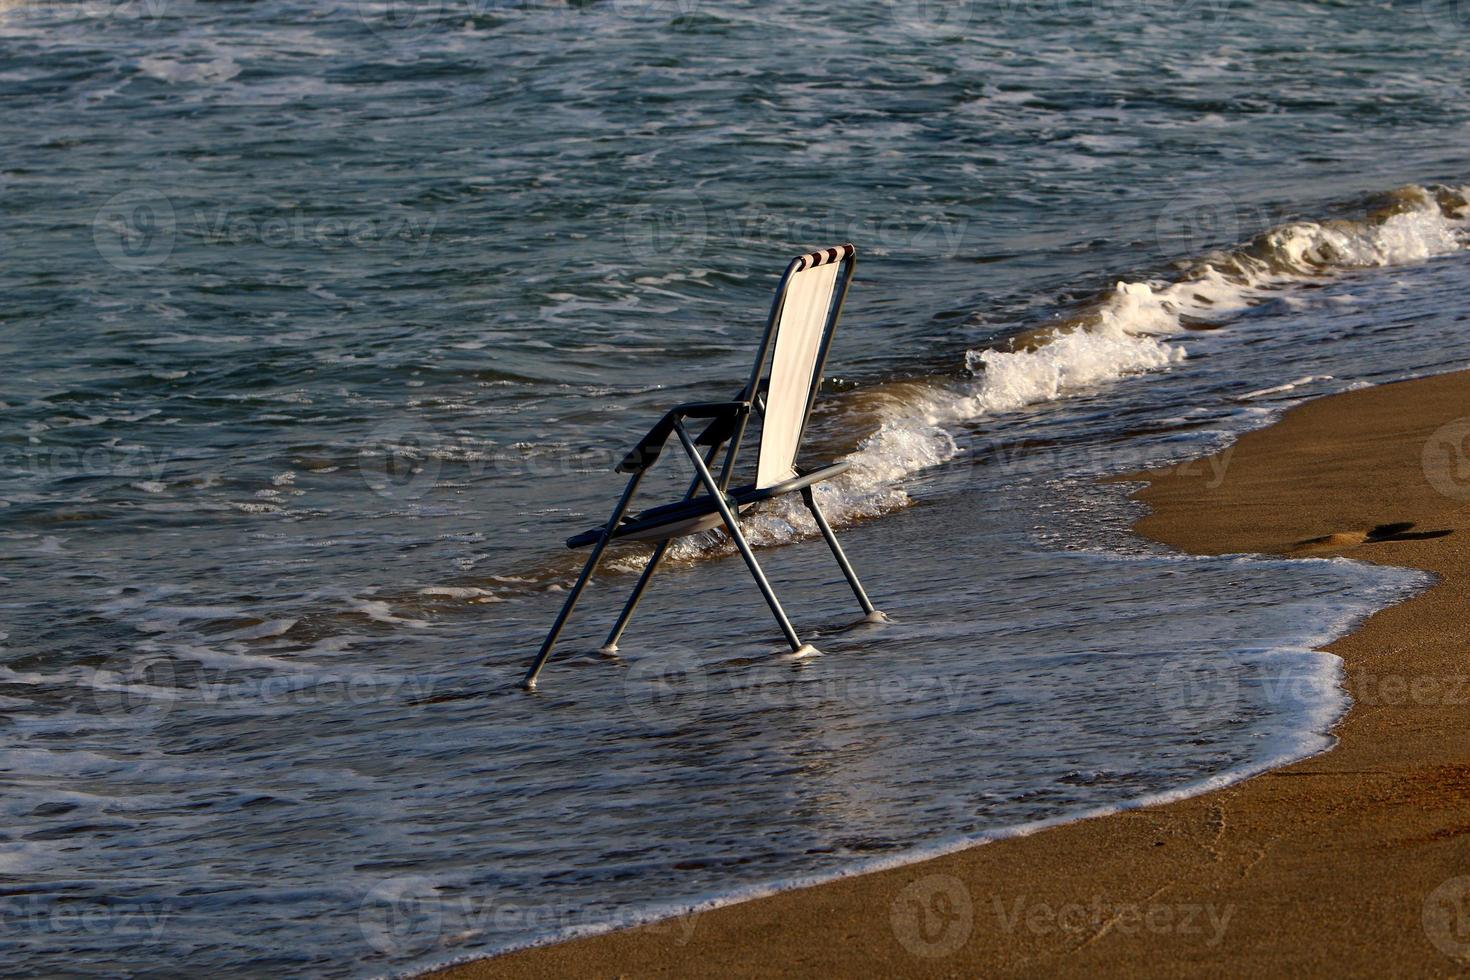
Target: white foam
(1131,331)
(1283,388)
(175,71)
(1281,751)
(913,434)
(262,630)
(179,613)
(1303,682)
(379,611)
(249,507)
(461,592)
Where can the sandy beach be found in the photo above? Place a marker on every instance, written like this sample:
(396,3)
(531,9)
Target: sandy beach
(327,327)
(1355,861)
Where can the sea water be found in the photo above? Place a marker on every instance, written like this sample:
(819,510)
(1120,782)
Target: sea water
(322,327)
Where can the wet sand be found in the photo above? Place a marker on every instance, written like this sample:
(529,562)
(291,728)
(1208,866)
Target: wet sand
(1355,861)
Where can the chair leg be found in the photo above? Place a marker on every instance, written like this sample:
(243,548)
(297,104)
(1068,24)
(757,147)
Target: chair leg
(857,587)
(611,645)
(733,526)
(529,682)
(760,580)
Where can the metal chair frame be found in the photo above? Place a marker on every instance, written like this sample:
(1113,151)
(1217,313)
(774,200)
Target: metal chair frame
(727,426)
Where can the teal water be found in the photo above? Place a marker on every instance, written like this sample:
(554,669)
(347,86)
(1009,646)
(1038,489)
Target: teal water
(321,327)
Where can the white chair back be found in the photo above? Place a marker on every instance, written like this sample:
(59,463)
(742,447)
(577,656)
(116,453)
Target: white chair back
(804,318)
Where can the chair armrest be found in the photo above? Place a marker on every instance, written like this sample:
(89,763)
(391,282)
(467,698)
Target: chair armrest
(723,429)
(646,453)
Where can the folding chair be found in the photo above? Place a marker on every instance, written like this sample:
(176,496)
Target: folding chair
(797,338)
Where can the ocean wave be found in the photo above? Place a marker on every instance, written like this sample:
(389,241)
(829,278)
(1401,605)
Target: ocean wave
(1128,331)
(1132,329)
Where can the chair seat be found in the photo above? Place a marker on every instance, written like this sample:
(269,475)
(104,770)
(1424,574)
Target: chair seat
(783,383)
(699,513)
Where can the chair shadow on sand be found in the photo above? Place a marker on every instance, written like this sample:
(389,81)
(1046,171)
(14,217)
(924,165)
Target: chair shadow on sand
(1401,531)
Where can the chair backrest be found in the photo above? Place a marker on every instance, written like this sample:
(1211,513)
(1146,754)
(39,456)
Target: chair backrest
(798,335)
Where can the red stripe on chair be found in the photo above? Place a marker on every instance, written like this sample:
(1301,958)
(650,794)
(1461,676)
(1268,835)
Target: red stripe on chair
(825,256)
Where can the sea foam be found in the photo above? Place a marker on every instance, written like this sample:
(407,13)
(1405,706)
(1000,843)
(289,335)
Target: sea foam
(1131,330)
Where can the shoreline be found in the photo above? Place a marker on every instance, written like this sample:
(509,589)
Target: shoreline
(1347,859)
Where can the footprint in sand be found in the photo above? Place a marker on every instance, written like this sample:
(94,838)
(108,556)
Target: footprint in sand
(1383,532)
